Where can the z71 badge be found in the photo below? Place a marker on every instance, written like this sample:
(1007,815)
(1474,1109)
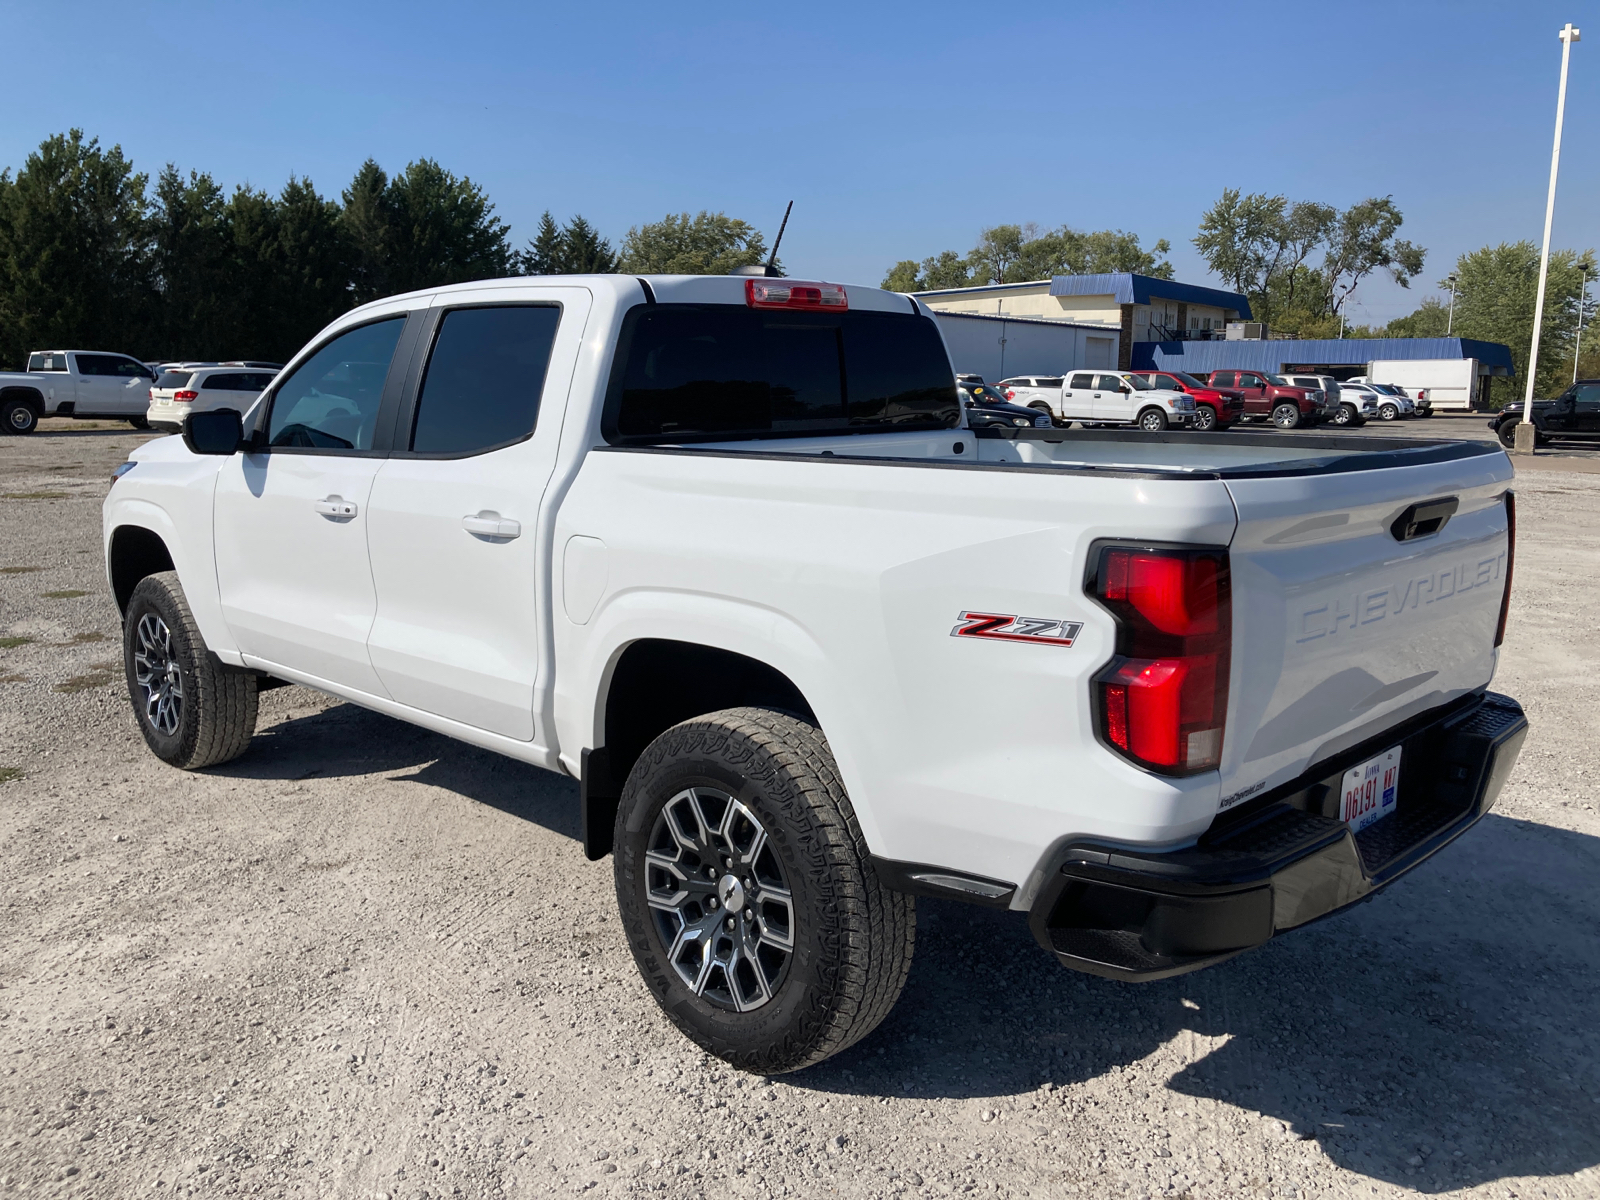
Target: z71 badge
(1003,627)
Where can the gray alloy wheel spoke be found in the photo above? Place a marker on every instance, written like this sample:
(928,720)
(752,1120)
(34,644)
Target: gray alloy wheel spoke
(156,673)
(722,907)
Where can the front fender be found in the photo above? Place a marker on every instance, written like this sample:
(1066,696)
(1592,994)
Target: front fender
(185,530)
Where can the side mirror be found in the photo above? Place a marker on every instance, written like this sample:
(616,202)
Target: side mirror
(220,431)
(1125,389)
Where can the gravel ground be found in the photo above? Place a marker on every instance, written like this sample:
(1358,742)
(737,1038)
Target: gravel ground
(364,960)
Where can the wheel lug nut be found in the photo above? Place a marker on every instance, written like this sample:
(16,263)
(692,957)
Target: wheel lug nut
(730,922)
(748,915)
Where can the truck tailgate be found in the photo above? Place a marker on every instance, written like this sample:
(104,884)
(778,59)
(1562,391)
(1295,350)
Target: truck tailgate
(1342,629)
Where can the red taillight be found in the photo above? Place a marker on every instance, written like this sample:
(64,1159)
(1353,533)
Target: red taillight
(790,293)
(186,395)
(1010,394)
(1511,556)
(1163,700)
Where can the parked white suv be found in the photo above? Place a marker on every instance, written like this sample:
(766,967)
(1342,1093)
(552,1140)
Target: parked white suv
(190,389)
(1351,410)
(719,549)
(1122,398)
(1389,403)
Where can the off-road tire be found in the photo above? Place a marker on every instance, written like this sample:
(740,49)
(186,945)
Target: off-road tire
(1152,420)
(1205,418)
(1286,416)
(217,714)
(18,416)
(852,936)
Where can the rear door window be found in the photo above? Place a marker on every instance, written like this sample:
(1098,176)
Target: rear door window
(1222,379)
(330,402)
(231,382)
(1082,382)
(484,378)
(1048,381)
(700,371)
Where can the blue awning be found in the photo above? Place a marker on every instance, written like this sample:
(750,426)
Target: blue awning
(1128,288)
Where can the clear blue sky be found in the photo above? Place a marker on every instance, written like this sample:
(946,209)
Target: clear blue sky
(898,130)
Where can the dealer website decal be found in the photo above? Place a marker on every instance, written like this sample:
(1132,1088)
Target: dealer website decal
(1004,627)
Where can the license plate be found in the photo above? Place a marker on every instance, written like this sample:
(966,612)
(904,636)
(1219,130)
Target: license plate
(1370,790)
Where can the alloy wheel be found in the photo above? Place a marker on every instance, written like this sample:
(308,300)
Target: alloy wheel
(722,907)
(1205,419)
(157,675)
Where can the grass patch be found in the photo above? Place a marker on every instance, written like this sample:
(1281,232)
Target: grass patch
(18,570)
(33,495)
(7,774)
(115,666)
(81,639)
(82,683)
(11,643)
(65,594)
(13,679)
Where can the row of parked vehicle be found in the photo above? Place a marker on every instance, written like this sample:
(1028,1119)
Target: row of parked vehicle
(97,385)
(1158,400)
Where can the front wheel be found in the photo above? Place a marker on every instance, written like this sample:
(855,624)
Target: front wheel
(1286,416)
(1507,433)
(1389,412)
(193,710)
(1205,418)
(18,416)
(747,894)
(1346,415)
(1152,420)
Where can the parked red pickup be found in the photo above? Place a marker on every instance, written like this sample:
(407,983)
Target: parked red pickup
(1214,408)
(1273,398)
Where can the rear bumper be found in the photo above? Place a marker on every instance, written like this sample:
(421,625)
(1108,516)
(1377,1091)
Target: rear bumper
(1288,860)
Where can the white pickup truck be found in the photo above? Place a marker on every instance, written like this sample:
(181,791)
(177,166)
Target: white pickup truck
(75,383)
(720,549)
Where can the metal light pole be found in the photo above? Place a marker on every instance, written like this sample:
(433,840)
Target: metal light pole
(1583,297)
(1450,323)
(1524,431)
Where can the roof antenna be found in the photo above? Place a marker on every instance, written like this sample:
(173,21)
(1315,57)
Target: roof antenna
(772,270)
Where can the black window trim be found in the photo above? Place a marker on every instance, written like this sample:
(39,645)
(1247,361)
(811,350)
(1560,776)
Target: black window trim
(392,384)
(612,404)
(405,421)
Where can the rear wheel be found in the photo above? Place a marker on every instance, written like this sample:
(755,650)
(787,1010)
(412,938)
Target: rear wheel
(1041,406)
(192,709)
(139,422)
(18,416)
(1389,412)
(747,895)
(1286,416)
(1205,418)
(1152,420)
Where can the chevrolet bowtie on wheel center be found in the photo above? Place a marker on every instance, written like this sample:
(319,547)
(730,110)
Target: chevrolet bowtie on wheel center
(732,553)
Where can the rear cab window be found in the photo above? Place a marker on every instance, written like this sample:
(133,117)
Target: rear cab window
(698,372)
(47,362)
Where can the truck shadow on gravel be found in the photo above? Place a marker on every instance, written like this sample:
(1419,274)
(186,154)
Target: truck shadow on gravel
(1437,1038)
(347,740)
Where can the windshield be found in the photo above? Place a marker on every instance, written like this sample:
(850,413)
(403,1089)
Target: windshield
(1277,381)
(174,379)
(1139,383)
(984,393)
(1388,389)
(1187,379)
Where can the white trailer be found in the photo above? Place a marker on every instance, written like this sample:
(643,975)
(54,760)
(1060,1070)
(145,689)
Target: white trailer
(1451,384)
(998,347)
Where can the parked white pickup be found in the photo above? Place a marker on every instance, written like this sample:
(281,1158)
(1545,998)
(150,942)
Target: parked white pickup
(1122,398)
(75,383)
(720,549)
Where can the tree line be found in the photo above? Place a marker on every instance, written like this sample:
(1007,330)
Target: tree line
(1299,264)
(92,255)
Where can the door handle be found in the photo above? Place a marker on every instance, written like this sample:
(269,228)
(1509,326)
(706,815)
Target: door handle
(335,506)
(491,524)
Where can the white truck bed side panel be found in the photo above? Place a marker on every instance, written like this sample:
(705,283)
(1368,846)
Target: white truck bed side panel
(848,578)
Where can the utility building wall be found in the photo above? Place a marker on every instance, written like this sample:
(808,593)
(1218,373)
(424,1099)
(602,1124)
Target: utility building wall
(1000,347)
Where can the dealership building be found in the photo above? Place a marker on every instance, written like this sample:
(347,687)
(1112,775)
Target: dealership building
(1142,323)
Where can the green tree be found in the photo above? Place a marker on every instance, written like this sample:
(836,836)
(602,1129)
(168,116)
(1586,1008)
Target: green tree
(1430,319)
(584,251)
(74,250)
(1495,293)
(543,254)
(303,261)
(1362,240)
(197,310)
(1024,253)
(705,244)
(904,276)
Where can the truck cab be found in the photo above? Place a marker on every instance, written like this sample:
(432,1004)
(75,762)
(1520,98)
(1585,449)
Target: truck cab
(1269,397)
